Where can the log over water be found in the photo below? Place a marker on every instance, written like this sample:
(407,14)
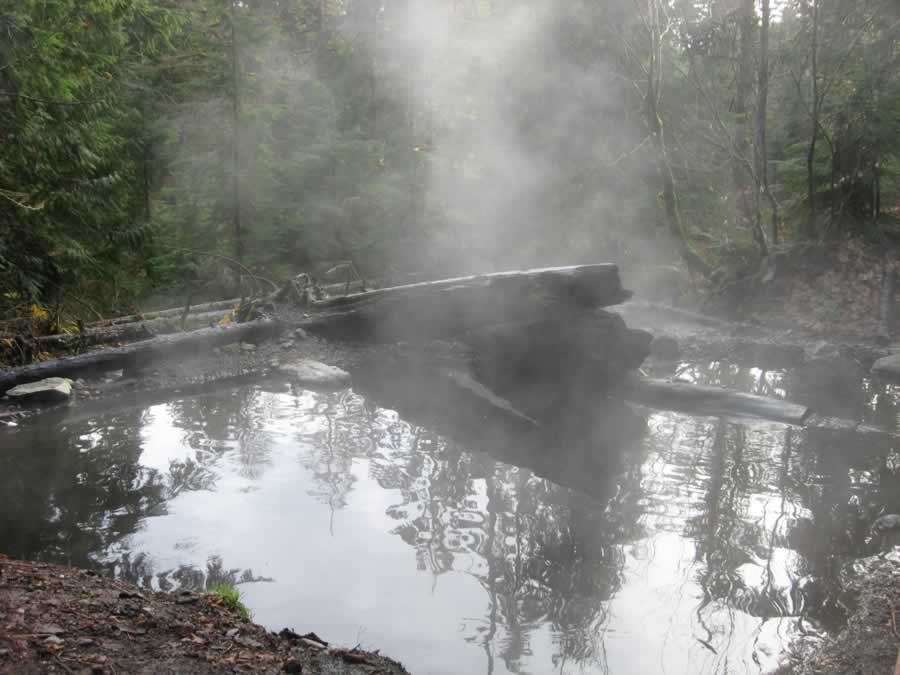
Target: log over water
(141,353)
(698,399)
(416,312)
(450,307)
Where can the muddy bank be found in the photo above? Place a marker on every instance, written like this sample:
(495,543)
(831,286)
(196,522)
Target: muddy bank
(64,620)
(869,643)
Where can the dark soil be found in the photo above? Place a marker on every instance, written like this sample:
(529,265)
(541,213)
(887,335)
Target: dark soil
(62,620)
(870,641)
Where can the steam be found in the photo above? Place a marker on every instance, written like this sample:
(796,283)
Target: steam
(515,123)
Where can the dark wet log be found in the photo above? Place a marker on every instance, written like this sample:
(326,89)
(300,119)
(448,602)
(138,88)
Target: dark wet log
(450,307)
(138,354)
(542,365)
(711,401)
(414,313)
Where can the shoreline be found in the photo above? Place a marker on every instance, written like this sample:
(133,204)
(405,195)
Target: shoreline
(64,620)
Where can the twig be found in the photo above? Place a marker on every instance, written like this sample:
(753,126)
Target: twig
(61,664)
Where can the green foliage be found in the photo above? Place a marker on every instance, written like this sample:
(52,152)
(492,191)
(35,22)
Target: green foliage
(232,598)
(289,133)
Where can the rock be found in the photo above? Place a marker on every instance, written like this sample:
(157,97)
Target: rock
(301,334)
(51,389)
(315,373)
(889,521)
(248,347)
(49,630)
(888,367)
(53,640)
(823,350)
(231,632)
(665,348)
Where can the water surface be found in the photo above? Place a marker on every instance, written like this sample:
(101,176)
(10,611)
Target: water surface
(702,546)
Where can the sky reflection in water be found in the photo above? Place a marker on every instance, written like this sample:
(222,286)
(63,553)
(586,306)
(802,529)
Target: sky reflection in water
(713,546)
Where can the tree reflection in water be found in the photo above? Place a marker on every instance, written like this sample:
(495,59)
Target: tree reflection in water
(555,528)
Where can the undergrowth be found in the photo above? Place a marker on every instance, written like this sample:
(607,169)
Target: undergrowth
(232,598)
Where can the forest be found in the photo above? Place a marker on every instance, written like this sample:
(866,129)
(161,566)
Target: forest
(153,148)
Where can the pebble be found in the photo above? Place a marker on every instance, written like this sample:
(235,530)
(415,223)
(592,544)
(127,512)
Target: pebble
(248,347)
(301,334)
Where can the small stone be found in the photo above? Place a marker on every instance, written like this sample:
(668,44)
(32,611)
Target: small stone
(186,600)
(248,347)
(315,374)
(124,595)
(51,389)
(292,666)
(49,630)
(274,364)
(85,642)
(301,334)
(231,632)
(53,640)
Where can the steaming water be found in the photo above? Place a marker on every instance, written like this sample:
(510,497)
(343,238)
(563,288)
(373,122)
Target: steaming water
(710,546)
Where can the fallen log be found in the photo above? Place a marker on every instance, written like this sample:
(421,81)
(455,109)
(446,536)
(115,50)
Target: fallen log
(417,312)
(698,399)
(450,307)
(139,354)
(172,312)
(126,332)
(220,306)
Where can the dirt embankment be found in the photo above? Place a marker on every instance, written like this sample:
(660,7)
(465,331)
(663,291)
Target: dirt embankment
(62,620)
(869,643)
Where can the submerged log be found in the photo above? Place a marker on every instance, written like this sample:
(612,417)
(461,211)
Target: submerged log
(711,401)
(138,354)
(579,448)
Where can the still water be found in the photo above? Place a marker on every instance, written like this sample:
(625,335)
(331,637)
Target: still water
(706,545)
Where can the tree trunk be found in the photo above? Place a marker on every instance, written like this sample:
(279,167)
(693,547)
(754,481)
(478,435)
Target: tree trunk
(762,106)
(746,184)
(692,259)
(812,225)
(236,141)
